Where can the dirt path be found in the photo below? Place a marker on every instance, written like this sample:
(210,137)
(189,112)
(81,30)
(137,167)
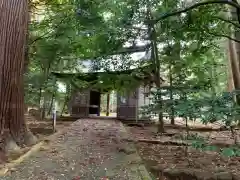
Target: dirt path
(90,149)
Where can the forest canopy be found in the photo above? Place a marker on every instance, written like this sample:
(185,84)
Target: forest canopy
(189,44)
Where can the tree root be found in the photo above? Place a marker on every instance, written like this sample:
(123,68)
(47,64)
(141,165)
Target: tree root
(175,143)
(172,142)
(182,127)
(29,139)
(8,143)
(201,129)
(136,125)
(11,145)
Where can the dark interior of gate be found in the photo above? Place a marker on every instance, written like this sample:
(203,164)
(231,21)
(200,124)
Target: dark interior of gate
(86,100)
(95,103)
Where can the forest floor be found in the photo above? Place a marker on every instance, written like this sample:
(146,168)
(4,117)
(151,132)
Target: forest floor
(42,130)
(88,149)
(171,156)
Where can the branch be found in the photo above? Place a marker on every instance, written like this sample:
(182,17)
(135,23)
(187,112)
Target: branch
(40,37)
(227,21)
(231,3)
(47,33)
(224,35)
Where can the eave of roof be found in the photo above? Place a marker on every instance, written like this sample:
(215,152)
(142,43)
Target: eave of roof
(139,73)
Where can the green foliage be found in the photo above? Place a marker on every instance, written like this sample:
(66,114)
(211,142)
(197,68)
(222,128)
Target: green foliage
(228,152)
(70,31)
(200,143)
(196,104)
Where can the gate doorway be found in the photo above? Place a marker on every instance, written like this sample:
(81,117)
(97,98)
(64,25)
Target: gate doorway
(102,104)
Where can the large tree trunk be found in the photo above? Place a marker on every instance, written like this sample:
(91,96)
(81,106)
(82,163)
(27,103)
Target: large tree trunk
(234,65)
(234,53)
(234,57)
(14,22)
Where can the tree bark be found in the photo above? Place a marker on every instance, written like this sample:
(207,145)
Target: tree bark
(26,59)
(51,104)
(234,54)
(14,22)
(172,115)
(66,99)
(40,98)
(63,108)
(108,103)
(44,107)
(230,84)
(234,65)
(157,78)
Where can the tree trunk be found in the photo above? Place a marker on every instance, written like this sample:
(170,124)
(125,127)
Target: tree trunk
(108,103)
(40,98)
(175,56)
(230,85)
(26,59)
(234,54)
(234,65)
(14,22)
(44,107)
(172,116)
(156,65)
(158,80)
(52,99)
(63,108)
(66,99)
(51,104)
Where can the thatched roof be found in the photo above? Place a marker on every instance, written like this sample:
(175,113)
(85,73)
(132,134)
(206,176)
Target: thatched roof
(108,80)
(138,73)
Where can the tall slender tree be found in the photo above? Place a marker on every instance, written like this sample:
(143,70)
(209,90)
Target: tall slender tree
(14,22)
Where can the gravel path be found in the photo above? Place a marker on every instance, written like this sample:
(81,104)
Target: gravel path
(89,150)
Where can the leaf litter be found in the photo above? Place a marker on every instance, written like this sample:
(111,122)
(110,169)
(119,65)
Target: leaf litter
(172,159)
(89,149)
